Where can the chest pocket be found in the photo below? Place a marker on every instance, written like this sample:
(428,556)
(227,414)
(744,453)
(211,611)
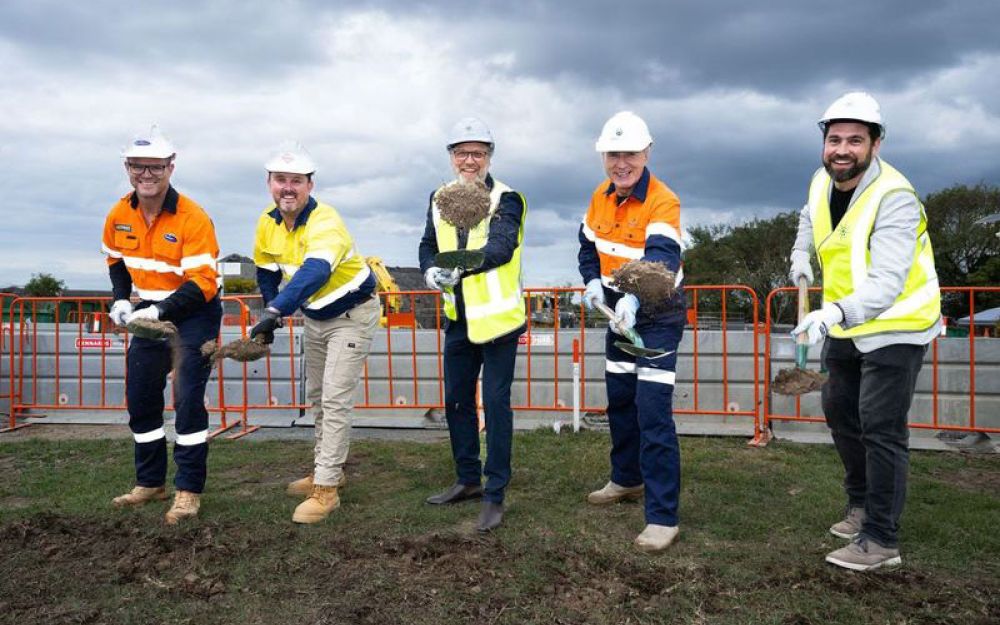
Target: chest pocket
(634,232)
(166,250)
(603,228)
(126,241)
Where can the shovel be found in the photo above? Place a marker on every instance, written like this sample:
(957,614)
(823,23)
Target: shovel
(800,380)
(460,259)
(635,346)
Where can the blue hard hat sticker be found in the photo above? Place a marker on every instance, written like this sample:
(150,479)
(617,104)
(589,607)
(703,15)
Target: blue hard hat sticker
(141,142)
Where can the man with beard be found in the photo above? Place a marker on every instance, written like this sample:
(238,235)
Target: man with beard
(881,308)
(163,243)
(485,311)
(329,281)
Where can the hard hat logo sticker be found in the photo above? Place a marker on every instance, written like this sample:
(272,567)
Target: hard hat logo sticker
(618,132)
(141,142)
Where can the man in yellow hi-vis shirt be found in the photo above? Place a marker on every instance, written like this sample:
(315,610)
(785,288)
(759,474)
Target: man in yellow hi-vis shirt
(881,307)
(307,242)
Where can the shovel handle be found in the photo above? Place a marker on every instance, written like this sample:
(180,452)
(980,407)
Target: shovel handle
(630,333)
(802,339)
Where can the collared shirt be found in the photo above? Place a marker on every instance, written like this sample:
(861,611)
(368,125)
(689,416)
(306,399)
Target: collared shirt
(171,261)
(326,276)
(645,225)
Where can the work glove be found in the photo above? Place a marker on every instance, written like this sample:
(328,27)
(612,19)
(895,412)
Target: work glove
(593,293)
(818,323)
(437,278)
(270,320)
(150,312)
(625,311)
(800,267)
(119,310)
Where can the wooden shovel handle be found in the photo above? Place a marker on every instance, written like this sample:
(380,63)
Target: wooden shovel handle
(802,338)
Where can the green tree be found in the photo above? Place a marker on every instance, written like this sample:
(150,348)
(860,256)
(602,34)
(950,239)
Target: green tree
(965,253)
(239,285)
(44,285)
(754,254)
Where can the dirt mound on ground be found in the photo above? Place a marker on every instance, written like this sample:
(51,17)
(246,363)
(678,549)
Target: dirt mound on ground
(651,282)
(464,204)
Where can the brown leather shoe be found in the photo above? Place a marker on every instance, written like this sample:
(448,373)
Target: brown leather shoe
(456,493)
(186,505)
(321,502)
(303,487)
(140,495)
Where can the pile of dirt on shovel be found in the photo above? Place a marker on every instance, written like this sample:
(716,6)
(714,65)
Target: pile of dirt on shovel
(240,350)
(650,281)
(795,381)
(150,329)
(464,204)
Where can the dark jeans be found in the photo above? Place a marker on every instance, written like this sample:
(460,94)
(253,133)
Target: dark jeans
(866,402)
(462,363)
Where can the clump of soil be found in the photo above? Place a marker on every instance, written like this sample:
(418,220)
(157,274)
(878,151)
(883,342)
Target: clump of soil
(240,350)
(150,329)
(651,282)
(795,381)
(464,204)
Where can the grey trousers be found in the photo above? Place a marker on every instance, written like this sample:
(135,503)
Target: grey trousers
(336,350)
(866,402)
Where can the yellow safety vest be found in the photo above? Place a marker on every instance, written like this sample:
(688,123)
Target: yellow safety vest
(494,304)
(846,258)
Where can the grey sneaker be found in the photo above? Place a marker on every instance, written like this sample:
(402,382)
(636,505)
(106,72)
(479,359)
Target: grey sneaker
(850,527)
(864,555)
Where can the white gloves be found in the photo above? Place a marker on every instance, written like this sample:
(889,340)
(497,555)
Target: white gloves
(593,293)
(437,278)
(150,312)
(818,323)
(119,310)
(625,311)
(800,267)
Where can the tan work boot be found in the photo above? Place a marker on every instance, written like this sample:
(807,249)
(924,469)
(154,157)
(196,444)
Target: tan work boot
(613,493)
(656,537)
(140,495)
(322,501)
(186,505)
(303,487)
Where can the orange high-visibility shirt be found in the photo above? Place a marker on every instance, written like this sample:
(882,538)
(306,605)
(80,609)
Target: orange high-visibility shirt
(178,247)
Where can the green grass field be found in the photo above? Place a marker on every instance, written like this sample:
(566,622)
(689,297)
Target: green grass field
(753,537)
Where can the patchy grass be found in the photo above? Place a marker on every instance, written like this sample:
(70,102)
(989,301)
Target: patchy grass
(751,549)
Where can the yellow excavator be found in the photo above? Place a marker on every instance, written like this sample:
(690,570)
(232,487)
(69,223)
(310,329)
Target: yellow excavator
(386,284)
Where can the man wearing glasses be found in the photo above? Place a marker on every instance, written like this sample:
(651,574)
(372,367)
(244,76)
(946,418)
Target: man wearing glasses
(485,311)
(163,244)
(632,216)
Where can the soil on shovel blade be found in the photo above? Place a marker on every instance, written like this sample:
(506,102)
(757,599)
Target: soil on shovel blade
(150,329)
(240,350)
(794,381)
(651,282)
(464,204)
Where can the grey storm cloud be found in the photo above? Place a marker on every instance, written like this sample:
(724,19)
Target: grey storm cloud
(731,91)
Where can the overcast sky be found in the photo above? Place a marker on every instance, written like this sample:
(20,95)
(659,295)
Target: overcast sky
(731,91)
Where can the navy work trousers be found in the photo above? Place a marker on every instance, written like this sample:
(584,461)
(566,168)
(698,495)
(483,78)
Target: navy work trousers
(462,363)
(866,402)
(644,446)
(149,363)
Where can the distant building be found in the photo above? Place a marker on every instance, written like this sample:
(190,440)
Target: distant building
(237,266)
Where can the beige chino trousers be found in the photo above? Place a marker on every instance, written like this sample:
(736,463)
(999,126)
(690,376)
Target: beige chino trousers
(336,350)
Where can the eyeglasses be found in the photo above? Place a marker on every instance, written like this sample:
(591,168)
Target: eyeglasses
(137,169)
(461,155)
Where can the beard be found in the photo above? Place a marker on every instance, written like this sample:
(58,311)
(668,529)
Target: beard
(850,173)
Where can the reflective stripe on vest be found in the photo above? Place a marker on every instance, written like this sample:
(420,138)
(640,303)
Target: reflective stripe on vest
(845,256)
(494,304)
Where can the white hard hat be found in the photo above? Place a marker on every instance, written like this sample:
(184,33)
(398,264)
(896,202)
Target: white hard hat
(856,105)
(624,132)
(291,158)
(149,145)
(470,129)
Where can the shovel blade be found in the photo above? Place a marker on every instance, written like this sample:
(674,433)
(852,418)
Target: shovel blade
(460,259)
(637,351)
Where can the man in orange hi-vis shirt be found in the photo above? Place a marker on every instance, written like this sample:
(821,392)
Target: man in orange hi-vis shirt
(163,244)
(633,216)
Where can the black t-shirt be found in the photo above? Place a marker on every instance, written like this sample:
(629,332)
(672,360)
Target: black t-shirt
(839,201)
